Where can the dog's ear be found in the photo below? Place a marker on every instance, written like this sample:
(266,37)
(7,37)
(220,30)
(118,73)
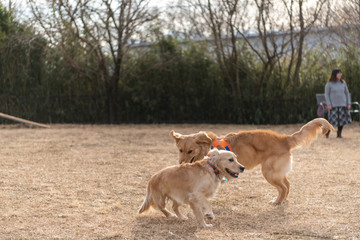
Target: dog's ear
(213,154)
(176,136)
(211,135)
(202,137)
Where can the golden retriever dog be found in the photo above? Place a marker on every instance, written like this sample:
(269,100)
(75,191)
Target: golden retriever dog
(267,148)
(192,184)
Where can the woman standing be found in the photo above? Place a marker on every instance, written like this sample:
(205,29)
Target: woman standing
(337,98)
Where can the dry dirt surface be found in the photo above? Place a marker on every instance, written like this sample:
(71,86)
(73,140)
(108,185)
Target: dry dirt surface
(88,181)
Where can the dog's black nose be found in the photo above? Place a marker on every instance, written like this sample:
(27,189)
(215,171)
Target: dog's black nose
(242,169)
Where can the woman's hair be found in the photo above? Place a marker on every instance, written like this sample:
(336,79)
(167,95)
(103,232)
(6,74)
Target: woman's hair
(333,75)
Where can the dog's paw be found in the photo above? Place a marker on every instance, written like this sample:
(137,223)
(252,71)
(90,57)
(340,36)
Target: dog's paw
(182,217)
(274,202)
(205,225)
(210,216)
(208,225)
(171,215)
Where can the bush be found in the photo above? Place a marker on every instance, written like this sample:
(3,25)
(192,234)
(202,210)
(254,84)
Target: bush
(168,82)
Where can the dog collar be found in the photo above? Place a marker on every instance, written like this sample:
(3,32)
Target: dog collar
(220,142)
(217,172)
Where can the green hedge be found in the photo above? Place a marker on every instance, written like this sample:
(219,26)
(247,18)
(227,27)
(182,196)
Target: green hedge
(167,82)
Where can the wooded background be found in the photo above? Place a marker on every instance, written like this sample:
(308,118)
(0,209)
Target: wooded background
(222,61)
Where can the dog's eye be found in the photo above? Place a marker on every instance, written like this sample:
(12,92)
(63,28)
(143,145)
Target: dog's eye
(189,151)
(231,160)
(180,150)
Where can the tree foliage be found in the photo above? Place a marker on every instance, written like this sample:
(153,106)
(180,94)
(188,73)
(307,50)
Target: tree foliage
(70,77)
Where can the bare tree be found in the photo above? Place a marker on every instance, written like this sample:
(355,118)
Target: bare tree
(274,30)
(283,35)
(228,21)
(217,20)
(272,44)
(104,30)
(346,22)
(306,20)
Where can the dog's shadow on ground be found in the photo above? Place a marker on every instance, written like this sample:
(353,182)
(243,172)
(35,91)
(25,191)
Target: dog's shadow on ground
(262,219)
(272,220)
(160,227)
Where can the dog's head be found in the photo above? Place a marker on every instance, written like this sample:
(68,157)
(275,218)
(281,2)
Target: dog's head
(226,162)
(192,147)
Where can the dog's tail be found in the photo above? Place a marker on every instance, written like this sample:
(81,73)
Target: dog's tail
(307,134)
(147,202)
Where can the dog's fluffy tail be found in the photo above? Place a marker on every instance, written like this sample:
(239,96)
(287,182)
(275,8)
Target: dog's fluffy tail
(147,202)
(307,134)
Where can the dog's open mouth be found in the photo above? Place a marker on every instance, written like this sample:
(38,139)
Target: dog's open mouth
(233,174)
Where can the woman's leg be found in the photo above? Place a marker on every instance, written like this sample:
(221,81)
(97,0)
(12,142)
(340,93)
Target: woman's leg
(339,131)
(327,134)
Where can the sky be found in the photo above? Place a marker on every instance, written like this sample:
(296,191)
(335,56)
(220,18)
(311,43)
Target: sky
(161,3)
(155,3)
(24,13)
(158,3)
(21,5)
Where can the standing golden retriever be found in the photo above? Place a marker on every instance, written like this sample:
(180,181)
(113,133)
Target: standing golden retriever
(264,147)
(192,184)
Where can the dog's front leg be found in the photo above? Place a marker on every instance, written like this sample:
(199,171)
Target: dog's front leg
(199,215)
(196,205)
(208,210)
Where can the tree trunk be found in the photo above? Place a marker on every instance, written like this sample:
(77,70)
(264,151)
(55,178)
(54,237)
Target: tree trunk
(300,49)
(110,104)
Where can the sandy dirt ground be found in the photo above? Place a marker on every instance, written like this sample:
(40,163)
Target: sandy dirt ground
(88,181)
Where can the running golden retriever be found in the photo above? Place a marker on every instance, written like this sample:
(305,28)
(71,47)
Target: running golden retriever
(264,147)
(192,183)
